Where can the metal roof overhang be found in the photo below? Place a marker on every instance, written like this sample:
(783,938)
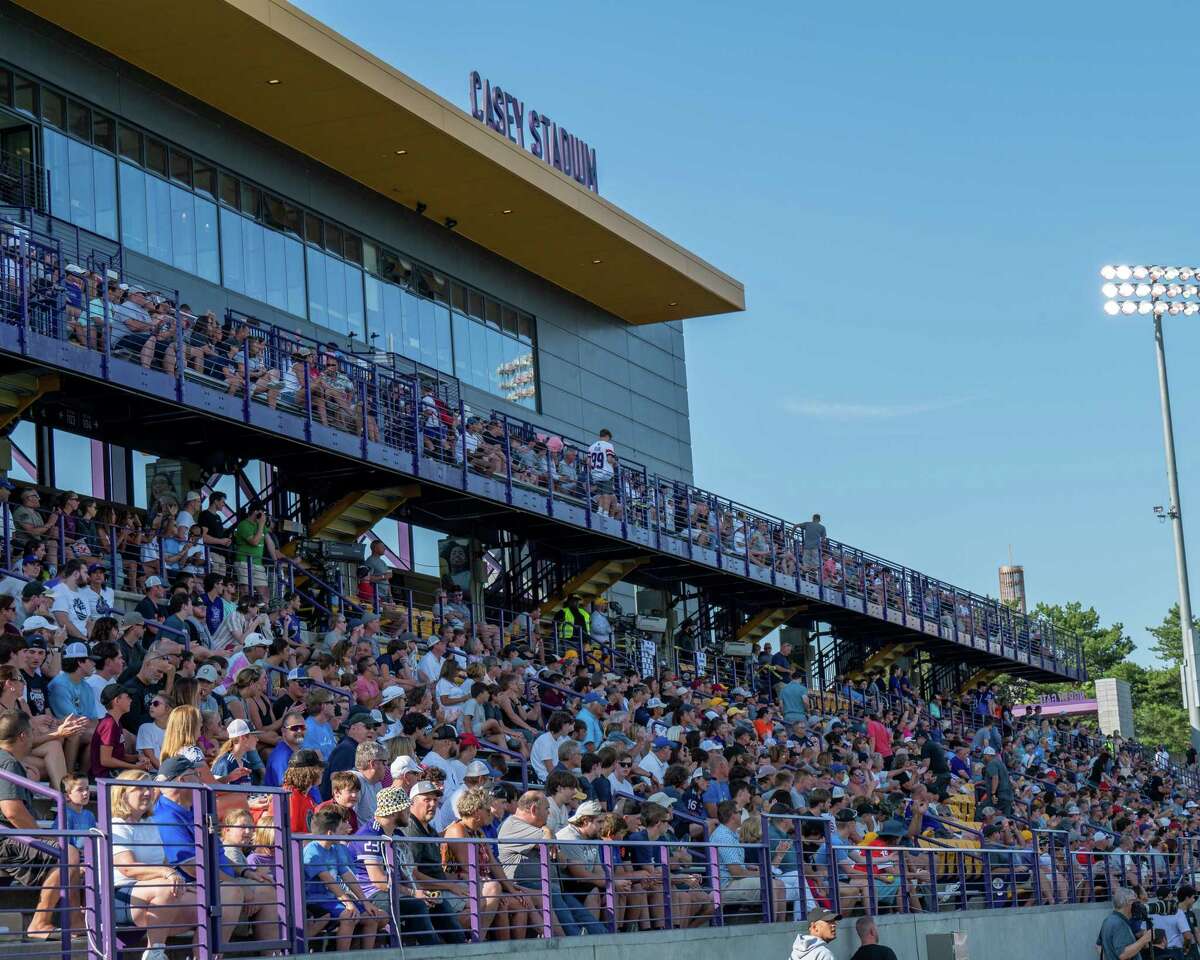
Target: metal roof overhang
(350,111)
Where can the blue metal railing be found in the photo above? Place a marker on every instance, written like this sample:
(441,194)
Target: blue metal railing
(411,423)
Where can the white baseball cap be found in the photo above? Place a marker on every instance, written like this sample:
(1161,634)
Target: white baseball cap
(404,764)
(238,728)
(78,651)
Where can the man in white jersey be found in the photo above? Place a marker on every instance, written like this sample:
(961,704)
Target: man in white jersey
(602,462)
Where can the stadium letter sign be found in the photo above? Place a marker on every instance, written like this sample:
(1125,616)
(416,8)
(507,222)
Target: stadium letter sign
(506,114)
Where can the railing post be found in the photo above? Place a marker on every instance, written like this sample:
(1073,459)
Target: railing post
(23,285)
(664,859)
(508,488)
(105,334)
(308,404)
(362,411)
(180,356)
(246,379)
(714,884)
(544,889)
(474,889)
(610,896)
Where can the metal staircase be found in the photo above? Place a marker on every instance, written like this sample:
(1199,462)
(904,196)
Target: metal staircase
(20,391)
(351,516)
(591,582)
(763,622)
(882,659)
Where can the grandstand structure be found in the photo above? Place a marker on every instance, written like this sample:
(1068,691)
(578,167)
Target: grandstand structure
(239,252)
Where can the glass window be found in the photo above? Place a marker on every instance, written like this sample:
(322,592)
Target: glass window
(156,156)
(353,249)
(181,168)
(410,324)
(479,356)
(370,258)
(458,297)
(335,292)
(312,229)
(204,178)
(273,212)
(373,305)
(25,94)
(231,251)
(393,312)
(79,120)
(104,132)
(255,258)
(461,331)
(183,229)
(250,200)
(427,332)
(495,354)
(229,189)
(81,185)
(293,254)
(24,461)
(104,178)
(54,109)
(133,208)
(317,297)
(276,269)
(293,220)
(158,219)
(333,239)
(525,327)
(129,142)
(475,304)
(491,312)
(73,463)
(355,319)
(208,259)
(5,88)
(443,343)
(57,160)
(509,320)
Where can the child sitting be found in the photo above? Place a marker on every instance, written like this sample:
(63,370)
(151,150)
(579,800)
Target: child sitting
(237,835)
(330,887)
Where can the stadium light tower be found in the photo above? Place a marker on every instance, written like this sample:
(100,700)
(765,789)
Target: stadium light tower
(1157,291)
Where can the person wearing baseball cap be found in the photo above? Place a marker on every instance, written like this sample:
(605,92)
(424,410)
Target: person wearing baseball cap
(656,760)
(406,771)
(238,760)
(822,930)
(361,726)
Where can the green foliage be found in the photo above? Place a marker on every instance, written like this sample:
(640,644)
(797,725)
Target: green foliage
(1103,647)
(1168,638)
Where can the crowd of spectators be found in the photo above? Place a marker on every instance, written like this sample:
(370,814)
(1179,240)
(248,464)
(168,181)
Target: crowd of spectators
(489,740)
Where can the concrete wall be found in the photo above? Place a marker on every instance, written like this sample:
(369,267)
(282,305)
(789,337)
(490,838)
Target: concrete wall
(1038,933)
(594,369)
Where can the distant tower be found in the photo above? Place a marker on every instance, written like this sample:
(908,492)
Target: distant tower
(1012,584)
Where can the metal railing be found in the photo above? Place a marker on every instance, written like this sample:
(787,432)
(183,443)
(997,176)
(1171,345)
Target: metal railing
(416,424)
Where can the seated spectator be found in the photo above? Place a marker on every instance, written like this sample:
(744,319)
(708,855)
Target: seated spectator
(108,741)
(25,864)
(238,760)
(303,773)
(331,889)
(148,891)
(151,733)
(739,883)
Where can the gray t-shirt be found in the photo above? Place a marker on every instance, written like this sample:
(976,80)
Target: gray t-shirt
(519,856)
(11,791)
(1115,936)
(813,534)
(995,768)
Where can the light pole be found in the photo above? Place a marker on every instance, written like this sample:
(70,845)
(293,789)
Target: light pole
(1155,291)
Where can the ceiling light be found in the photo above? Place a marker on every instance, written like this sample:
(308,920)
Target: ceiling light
(506,212)
(673,303)
(272,83)
(401,153)
(1112,308)
(597,261)
(1145,306)
(1108,272)
(1140,273)
(1124,273)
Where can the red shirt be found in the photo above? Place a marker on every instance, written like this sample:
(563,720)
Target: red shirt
(881,738)
(108,733)
(300,808)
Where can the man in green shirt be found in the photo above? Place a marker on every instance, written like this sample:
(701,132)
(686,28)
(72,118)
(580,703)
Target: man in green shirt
(249,538)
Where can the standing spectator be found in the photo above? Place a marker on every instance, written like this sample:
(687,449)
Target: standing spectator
(69,606)
(602,464)
(998,789)
(868,936)
(249,541)
(217,536)
(813,535)
(1117,941)
(822,929)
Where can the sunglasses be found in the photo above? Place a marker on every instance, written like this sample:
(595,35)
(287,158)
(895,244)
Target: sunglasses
(297,727)
(157,703)
(626,764)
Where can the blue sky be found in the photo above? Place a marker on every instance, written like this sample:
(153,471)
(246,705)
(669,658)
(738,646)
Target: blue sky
(918,198)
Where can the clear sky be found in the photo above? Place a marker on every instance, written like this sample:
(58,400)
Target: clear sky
(918,198)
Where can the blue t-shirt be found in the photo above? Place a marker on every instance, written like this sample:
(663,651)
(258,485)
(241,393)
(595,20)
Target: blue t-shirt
(366,846)
(67,697)
(320,737)
(643,856)
(334,859)
(791,698)
(717,792)
(81,820)
(276,763)
(176,829)
(214,612)
(227,762)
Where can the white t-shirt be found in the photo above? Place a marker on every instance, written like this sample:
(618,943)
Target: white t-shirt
(142,840)
(598,461)
(73,604)
(544,755)
(150,737)
(653,766)
(184,519)
(430,666)
(1175,926)
(448,688)
(99,604)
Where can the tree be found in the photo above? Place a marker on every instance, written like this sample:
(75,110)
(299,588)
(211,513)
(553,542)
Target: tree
(1103,647)
(1168,638)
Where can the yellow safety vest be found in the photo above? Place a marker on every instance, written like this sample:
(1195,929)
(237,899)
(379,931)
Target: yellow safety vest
(568,628)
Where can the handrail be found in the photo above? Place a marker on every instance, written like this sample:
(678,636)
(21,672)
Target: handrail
(1015,631)
(336,691)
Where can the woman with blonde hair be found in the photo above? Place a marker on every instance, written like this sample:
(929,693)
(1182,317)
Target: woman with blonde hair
(182,738)
(148,892)
(503,906)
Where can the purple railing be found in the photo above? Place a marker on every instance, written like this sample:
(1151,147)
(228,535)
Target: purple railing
(410,423)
